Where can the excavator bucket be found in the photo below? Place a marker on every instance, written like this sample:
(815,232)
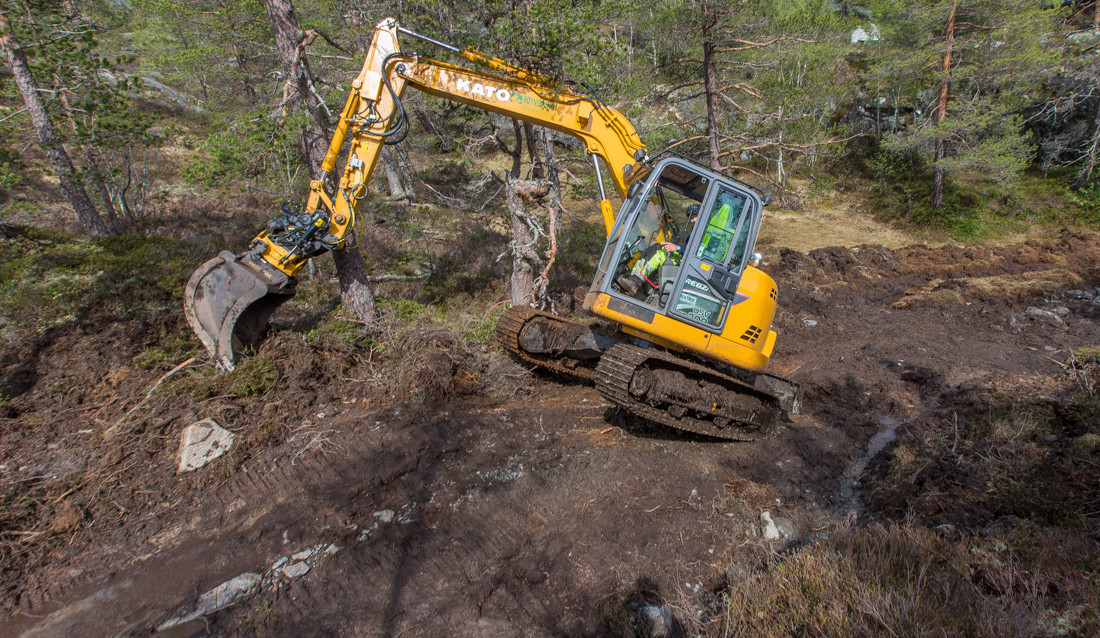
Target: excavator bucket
(229,300)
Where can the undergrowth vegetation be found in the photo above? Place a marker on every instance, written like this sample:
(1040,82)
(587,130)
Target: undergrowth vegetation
(49,278)
(901,579)
(989,528)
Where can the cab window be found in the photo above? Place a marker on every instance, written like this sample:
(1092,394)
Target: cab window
(722,236)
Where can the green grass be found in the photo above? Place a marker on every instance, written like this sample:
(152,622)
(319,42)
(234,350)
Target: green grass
(253,376)
(48,278)
(481,328)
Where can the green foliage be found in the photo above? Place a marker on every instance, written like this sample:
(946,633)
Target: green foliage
(49,278)
(8,176)
(250,146)
(339,333)
(1000,56)
(482,328)
(580,247)
(1087,200)
(168,350)
(254,375)
(405,311)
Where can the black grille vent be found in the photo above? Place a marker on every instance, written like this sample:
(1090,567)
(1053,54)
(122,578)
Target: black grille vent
(752,334)
(775,295)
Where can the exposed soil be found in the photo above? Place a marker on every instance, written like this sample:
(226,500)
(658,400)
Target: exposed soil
(486,501)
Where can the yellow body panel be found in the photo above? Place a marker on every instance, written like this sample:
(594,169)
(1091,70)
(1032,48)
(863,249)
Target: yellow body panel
(746,340)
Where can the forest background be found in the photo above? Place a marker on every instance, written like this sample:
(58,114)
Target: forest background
(967,118)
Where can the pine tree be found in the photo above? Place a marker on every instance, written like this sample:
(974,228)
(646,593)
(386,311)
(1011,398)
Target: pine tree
(969,69)
(46,131)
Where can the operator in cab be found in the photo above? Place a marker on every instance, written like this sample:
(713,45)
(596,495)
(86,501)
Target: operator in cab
(656,255)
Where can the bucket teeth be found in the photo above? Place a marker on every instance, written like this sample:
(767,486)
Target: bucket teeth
(229,300)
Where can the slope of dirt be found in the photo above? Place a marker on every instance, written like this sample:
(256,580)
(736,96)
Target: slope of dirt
(543,512)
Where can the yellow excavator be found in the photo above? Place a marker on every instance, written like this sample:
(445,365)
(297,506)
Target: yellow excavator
(687,314)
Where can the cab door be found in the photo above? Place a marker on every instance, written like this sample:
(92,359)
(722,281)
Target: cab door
(715,257)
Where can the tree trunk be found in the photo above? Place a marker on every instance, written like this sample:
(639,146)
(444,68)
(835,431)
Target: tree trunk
(940,148)
(552,177)
(525,259)
(533,151)
(246,79)
(710,88)
(517,156)
(393,179)
(401,159)
(290,43)
(290,47)
(355,291)
(47,135)
(113,222)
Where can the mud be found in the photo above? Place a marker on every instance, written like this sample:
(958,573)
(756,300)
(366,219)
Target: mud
(474,512)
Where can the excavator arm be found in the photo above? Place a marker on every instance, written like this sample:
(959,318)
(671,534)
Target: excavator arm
(230,298)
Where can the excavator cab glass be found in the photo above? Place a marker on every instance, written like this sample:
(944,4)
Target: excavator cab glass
(659,257)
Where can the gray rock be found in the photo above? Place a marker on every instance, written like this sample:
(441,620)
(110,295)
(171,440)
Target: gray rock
(1080,294)
(201,443)
(1039,313)
(228,593)
(294,570)
(777,529)
(386,516)
(1061,311)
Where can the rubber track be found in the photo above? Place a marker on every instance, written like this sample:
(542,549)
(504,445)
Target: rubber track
(617,367)
(508,329)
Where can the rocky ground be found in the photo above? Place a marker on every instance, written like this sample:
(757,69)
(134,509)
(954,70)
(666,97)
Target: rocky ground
(488,501)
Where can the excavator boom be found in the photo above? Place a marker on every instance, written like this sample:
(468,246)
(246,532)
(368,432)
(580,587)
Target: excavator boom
(228,301)
(688,315)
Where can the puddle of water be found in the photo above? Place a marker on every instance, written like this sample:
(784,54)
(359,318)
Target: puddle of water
(886,435)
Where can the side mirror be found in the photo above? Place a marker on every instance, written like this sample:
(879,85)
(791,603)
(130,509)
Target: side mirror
(756,259)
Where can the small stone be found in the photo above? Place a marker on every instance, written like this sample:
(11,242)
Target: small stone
(809,322)
(201,443)
(1043,314)
(386,516)
(279,563)
(305,554)
(294,570)
(1061,311)
(777,529)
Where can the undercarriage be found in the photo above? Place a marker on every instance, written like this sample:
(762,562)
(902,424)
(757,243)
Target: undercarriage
(650,382)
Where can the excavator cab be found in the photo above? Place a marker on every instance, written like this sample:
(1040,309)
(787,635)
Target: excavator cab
(686,297)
